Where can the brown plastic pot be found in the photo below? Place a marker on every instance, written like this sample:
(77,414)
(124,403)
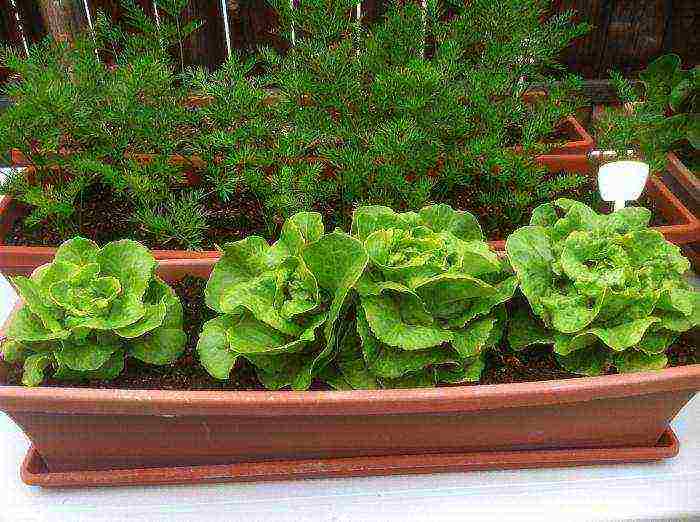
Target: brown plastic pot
(82,430)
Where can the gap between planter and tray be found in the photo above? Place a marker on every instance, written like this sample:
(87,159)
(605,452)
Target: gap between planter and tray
(111,430)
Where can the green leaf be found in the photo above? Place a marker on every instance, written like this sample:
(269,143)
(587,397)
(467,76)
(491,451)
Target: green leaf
(524,331)
(442,218)
(391,363)
(572,312)
(35,300)
(297,232)
(424,379)
(132,265)
(258,296)
(565,344)
(482,306)
(161,308)
(624,335)
(412,308)
(657,341)
(337,262)
(369,219)
(213,347)
(664,68)
(471,340)
(351,362)
(240,262)
(589,361)
(77,251)
(469,371)
(25,326)
(532,258)
(385,321)
(441,292)
(92,299)
(34,367)
(161,346)
(13,351)
(88,355)
(108,371)
(636,361)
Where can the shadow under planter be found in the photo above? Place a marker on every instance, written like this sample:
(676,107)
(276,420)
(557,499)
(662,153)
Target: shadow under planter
(85,436)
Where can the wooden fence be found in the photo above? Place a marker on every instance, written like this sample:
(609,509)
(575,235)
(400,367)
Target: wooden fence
(627,34)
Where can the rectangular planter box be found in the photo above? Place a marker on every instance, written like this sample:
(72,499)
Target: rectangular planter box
(684,226)
(77,430)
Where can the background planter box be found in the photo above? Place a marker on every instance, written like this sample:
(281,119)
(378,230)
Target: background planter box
(79,430)
(683,228)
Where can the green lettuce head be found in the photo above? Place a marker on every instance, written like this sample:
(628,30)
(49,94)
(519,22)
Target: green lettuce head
(607,289)
(280,305)
(430,301)
(91,307)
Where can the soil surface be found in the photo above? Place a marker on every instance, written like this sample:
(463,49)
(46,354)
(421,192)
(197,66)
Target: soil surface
(502,365)
(106,217)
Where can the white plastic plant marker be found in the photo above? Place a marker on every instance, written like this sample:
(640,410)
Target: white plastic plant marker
(621,181)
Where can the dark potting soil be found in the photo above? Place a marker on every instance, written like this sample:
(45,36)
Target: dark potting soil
(497,224)
(502,366)
(107,217)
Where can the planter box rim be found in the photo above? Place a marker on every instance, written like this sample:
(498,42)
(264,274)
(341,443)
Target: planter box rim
(357,402)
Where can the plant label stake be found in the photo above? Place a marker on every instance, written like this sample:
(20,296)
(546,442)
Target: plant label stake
(621,181)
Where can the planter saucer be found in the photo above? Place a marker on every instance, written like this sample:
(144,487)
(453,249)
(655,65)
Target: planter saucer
(35,473)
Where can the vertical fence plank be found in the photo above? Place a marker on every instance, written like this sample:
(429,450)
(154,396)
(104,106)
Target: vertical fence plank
(584,55)
(32,21)
(207,46)
(255,24)
(113,8)
(635,35)
(10,32)
(63,18)
(683,31)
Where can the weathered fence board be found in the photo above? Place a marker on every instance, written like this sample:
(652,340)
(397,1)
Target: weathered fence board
(626,34)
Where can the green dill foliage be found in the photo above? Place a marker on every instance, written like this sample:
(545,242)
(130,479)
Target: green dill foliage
(85,110)
(414,106)
(663,117)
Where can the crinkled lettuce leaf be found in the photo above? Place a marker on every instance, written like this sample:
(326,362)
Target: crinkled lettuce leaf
(605,290)
(91,307)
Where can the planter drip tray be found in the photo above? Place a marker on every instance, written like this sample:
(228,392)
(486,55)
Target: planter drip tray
(34,471)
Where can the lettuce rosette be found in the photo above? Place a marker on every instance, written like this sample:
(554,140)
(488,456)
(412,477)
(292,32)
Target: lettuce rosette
(280,305)
(429,303)
(89,309)
(605,289)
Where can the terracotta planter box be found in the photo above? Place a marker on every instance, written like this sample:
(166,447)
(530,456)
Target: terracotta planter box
(275,435)
(684,227)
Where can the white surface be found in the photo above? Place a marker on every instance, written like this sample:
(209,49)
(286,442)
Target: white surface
(664,490)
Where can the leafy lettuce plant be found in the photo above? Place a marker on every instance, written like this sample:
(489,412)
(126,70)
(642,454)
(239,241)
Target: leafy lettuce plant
(430,301)
(89,309)
(281,304)
(607,290)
